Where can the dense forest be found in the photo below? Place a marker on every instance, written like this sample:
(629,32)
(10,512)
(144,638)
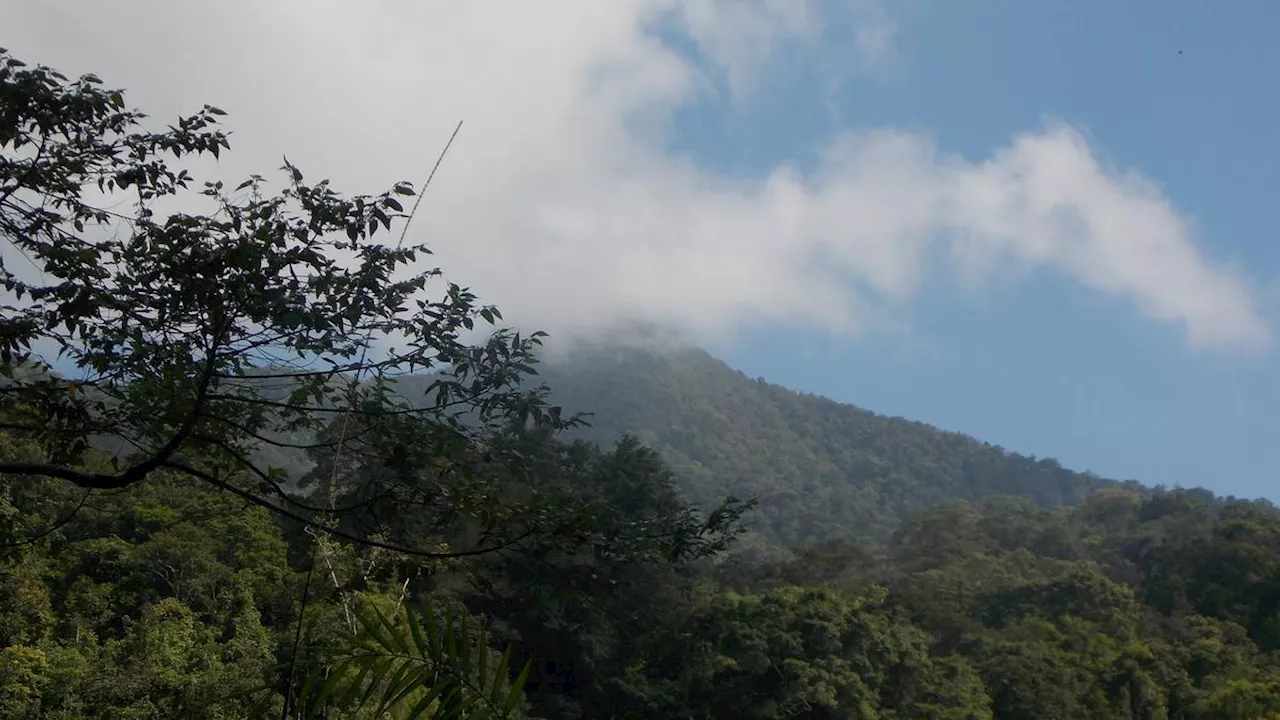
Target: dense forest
(223,499)
(164,601)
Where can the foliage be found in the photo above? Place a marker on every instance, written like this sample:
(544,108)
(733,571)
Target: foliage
(175,321)
(410,668)
(164,600)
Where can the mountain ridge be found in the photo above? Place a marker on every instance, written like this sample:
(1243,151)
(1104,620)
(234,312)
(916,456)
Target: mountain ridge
(822,470)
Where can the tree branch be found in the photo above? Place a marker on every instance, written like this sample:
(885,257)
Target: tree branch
(60,523)
(269,483)
(335,532)
(104,481)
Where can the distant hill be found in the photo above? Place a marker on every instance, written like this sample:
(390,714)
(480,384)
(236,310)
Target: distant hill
(822,470)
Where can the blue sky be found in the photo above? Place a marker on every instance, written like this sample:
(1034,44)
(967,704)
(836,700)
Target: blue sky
(1043,365)
(1033,222)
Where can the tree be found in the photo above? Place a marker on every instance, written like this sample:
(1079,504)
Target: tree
(815,654)
(199,337)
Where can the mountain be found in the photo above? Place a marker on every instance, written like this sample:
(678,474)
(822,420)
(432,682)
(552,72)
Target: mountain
(822,470)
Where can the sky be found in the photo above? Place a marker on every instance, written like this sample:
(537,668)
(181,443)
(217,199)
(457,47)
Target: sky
(1042,224)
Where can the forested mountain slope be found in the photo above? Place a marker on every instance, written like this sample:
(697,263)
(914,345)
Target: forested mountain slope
(822,470)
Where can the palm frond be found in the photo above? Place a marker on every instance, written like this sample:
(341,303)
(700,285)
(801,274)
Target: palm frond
(407,667)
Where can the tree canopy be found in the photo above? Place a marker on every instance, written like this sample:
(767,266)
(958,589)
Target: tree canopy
(193,338)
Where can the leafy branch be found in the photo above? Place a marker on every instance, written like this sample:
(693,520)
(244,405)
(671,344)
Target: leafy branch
(430,668)
(206,335)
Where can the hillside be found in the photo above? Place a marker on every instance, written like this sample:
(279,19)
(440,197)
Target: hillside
(822,470)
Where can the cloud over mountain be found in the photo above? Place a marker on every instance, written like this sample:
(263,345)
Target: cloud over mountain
(560,201)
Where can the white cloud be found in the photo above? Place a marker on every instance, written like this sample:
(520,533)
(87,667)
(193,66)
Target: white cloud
(558,201)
